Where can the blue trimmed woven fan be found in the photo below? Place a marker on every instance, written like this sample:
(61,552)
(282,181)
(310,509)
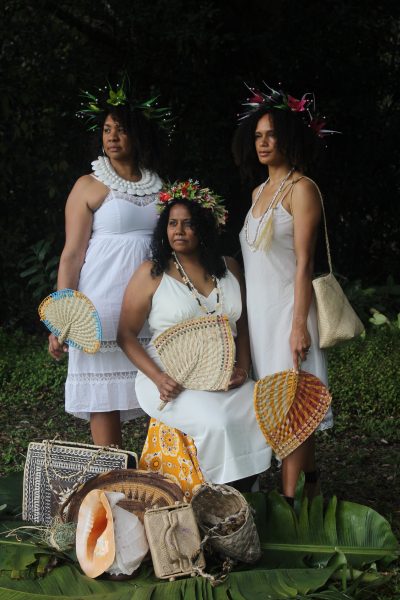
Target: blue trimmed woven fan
(73,319)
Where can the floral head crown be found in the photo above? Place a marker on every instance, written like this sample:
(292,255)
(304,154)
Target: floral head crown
(192,192)
(95,105)
(280,100)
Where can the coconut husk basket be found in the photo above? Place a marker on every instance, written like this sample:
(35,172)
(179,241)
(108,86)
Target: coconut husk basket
(226,520)
(143,490)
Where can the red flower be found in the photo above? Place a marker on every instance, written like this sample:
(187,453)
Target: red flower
(256,98)
(318,125)
(297,105)
(164,196)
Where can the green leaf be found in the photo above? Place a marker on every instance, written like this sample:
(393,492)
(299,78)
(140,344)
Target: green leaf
(313,537)
(29,271)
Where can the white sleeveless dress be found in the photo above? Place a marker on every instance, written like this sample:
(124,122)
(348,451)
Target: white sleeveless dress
(270,299)
(229,443)
(120,242)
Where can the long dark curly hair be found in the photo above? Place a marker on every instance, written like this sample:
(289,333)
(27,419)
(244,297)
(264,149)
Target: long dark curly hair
(297,143)
(206,229)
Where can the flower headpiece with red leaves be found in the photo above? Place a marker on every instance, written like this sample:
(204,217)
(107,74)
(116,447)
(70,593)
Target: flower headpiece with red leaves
(280,100)
(192,192)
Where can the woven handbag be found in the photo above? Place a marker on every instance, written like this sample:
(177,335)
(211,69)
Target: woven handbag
(198,353)
(226,520)
(174,541)
(289,406)
(337,320)
(73,319)
(55,469)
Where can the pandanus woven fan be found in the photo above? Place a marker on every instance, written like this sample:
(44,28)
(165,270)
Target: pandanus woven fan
(198,353)
(72,317)
(289,406)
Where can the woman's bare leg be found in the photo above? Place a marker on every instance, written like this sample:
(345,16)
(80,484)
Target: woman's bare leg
(106,428)
(302,459)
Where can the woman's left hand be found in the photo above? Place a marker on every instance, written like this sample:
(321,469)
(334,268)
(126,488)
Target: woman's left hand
(300,343)
(239,377)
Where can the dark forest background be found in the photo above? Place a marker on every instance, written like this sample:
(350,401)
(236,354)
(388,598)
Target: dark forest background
(196,55)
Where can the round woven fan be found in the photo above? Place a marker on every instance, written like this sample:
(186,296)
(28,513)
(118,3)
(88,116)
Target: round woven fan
(198,353)
(289,406)
(72,317)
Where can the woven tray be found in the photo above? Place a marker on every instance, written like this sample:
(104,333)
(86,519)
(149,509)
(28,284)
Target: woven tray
(142,489)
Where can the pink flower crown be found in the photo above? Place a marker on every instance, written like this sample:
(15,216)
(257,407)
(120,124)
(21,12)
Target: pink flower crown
(278,99)
(192,192)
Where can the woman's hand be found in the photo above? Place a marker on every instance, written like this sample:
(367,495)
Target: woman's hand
(300,343)
(238,378)
(56,350)
(169,389)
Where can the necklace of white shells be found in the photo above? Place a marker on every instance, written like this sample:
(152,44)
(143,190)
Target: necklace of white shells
(186,280)
(253,244)
(149,183)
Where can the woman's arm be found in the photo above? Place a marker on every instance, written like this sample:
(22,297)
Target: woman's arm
(85,196)
(242,365)
(136,306)
(306,211)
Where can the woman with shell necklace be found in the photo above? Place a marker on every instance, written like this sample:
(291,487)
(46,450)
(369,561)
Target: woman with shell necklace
(110,215)
(276,142)
(187,279)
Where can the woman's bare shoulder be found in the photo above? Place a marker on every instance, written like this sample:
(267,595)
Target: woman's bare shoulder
(234,267)
(89,190)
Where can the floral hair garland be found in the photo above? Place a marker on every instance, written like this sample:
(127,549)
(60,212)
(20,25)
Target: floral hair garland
(192,192)
(95,105)
(280,100)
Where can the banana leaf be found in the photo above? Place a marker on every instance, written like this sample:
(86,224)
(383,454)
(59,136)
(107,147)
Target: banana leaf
(343,537)
(67,582)
(312,537)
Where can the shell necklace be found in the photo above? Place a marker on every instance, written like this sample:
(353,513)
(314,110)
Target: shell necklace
(196,295)
(150,183)
(253,243)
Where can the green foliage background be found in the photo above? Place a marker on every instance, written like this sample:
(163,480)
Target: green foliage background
(197,54)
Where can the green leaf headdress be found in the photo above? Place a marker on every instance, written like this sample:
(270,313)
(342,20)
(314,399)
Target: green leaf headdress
(94,106)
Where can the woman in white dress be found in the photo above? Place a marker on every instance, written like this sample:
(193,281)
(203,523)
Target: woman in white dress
(188,278)
(279,137)
(109,217)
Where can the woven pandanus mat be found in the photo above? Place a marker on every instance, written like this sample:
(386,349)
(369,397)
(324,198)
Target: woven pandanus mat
(289,406)
(198,353)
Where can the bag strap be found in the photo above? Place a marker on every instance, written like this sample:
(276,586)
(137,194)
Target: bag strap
(328,249)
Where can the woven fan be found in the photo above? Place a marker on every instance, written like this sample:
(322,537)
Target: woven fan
(289,406)
(198,353)
(71,316)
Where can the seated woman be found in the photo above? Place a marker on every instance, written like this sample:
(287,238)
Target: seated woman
(188,278)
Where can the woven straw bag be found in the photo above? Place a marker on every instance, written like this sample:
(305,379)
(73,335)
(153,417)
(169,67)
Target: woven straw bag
(226,520)
(73,319)
(198,353)
(289,406)
(337,320)
(174,541)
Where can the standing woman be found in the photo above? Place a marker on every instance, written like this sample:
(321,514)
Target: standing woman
(109,219)
(278,137)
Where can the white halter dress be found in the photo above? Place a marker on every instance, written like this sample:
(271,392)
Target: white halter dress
(120,242)
(270,299)
(229,443)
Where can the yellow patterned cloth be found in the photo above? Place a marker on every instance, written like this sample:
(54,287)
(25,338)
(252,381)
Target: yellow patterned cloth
(173,454)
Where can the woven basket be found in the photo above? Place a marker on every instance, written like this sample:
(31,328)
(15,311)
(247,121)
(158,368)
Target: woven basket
(226,519)
(198,353)
(73,319)
(289,406)
(142,490)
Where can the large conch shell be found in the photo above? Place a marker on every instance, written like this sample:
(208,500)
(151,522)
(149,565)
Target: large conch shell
(95,544)
(131,544)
